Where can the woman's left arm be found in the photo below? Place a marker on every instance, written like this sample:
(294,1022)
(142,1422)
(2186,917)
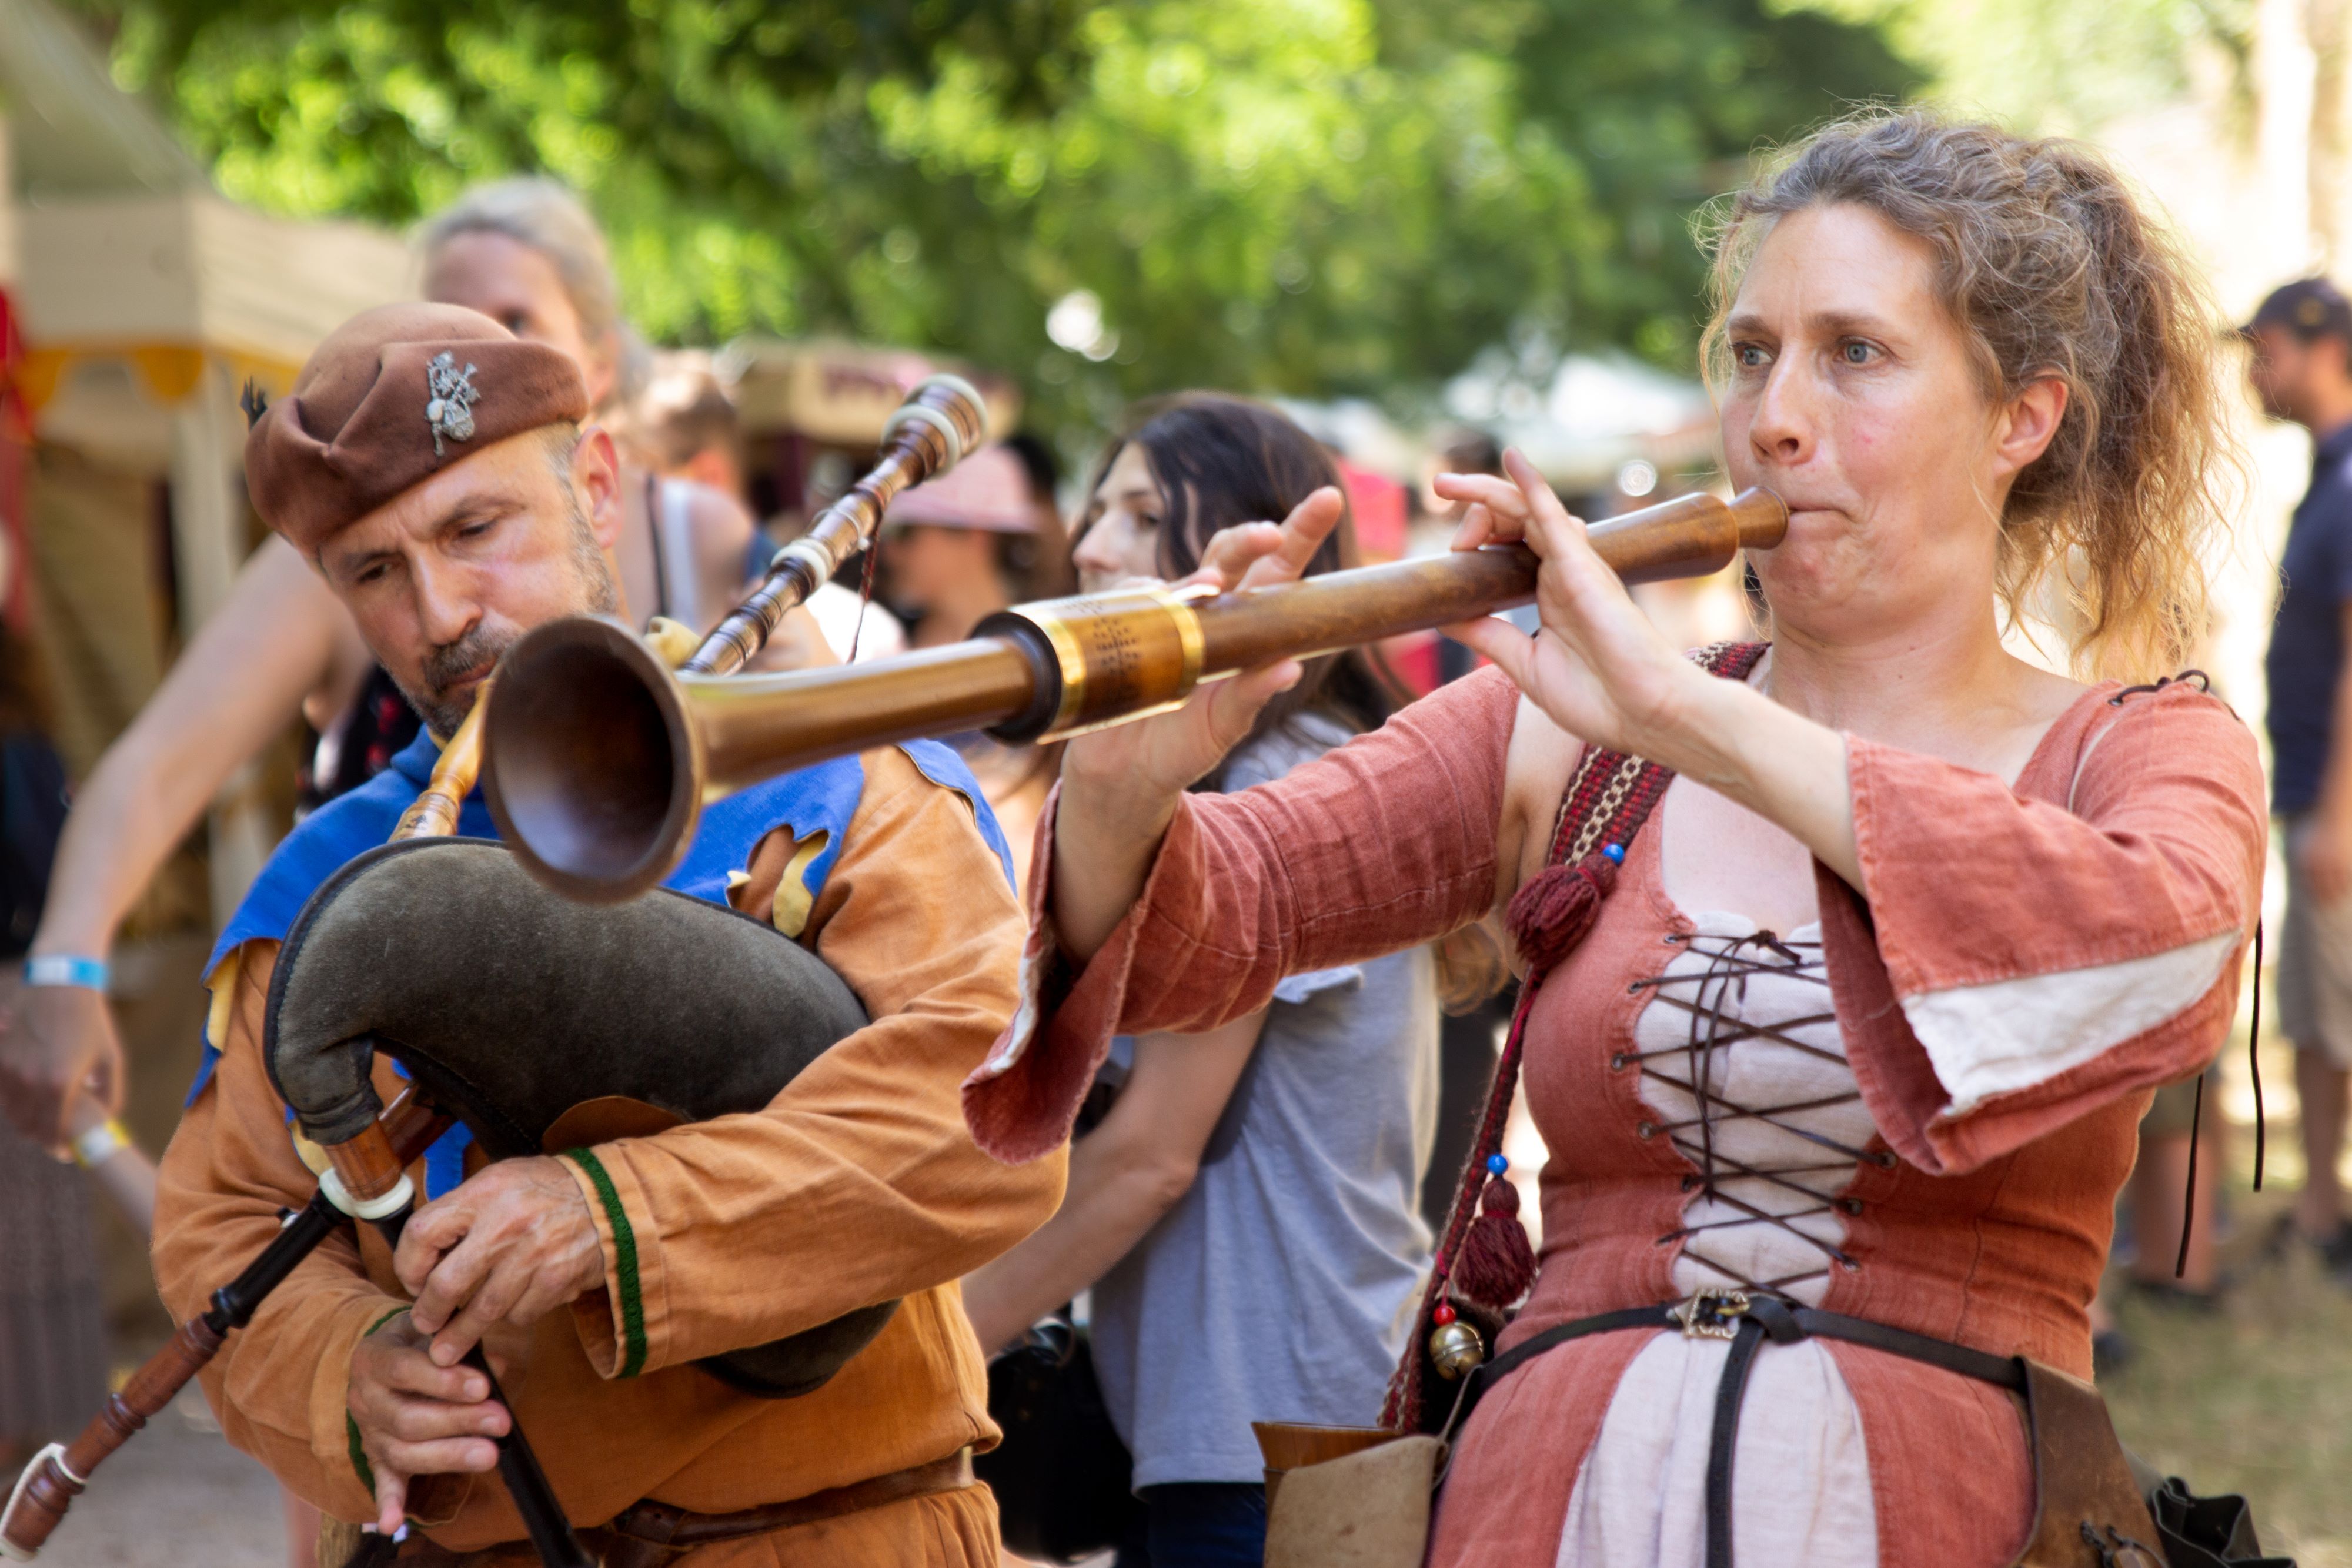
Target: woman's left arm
(2024,961)
(1135,1167)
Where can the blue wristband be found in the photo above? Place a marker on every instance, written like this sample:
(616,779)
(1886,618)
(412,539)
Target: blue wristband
(65,969)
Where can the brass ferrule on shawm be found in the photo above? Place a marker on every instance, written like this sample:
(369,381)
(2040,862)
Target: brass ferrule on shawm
(1121,654)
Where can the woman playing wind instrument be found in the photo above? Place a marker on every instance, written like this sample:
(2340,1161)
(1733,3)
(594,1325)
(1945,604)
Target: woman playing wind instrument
(1857,1032)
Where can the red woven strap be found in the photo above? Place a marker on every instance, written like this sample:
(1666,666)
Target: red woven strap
(1608,799)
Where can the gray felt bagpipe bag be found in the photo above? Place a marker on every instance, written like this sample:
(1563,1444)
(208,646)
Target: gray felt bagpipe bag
(510,1005)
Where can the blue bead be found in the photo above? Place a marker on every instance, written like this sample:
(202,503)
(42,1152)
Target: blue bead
(1616,854)
(1497,1164)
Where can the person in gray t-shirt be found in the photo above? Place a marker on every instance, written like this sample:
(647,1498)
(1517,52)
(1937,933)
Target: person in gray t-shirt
(1280,1287)
(1247,1212)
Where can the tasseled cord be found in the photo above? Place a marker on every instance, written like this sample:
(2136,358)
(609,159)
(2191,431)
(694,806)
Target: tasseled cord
(864,594)
(1496,1264)
(1549,916)
(1553,912)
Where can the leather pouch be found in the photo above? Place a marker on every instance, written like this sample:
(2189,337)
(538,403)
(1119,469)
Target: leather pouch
(2092,1509)
(2087,1510)
(1365,1510)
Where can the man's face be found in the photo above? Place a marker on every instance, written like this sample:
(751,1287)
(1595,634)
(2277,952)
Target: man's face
(2289,374)
(444,577)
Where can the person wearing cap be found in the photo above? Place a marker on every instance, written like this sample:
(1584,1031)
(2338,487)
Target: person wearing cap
(2302,372)
(433,469)
(978,539)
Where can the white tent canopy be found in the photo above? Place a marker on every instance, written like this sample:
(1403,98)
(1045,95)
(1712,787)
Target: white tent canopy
(1590,417)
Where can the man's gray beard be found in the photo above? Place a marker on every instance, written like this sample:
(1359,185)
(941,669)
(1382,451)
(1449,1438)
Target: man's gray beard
(450,661)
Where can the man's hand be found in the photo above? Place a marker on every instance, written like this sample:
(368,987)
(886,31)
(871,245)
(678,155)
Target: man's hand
(2326,856)
(57,1043)
(416,1417)
(514,1242)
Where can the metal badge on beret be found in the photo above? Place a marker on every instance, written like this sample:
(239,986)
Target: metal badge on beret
(451,411)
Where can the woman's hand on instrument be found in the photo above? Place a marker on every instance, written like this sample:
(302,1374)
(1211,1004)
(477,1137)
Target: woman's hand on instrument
(1596,666)
(418,1417)
(57,1043)
(1119,786)
(1156,758)
(512,1243)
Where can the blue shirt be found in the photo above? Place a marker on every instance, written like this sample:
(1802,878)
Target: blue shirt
(2306,653)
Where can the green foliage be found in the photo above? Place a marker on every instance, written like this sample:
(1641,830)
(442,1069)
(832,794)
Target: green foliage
(1306,196)
(2064,67)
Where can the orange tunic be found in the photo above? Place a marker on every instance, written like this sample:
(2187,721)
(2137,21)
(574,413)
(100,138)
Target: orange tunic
(2031,962)
(857,1185)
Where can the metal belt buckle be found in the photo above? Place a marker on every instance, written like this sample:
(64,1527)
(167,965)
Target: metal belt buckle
(1709,1312)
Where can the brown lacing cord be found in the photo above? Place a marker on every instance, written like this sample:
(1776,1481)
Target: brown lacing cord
(2204,682)
(864,595)
(2197,1113)
(1721,987)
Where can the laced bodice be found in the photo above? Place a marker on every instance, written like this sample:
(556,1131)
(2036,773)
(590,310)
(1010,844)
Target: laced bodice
(1743,1066)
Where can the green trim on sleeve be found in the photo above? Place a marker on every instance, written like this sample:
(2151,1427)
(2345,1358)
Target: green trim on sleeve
(624,1255)
(351,1426)
(359,1454)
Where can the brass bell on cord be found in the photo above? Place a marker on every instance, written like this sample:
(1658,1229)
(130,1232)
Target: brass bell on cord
(1455,1348)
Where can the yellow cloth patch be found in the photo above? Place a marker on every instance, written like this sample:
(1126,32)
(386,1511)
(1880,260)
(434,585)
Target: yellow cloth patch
(794,899)
(222,983)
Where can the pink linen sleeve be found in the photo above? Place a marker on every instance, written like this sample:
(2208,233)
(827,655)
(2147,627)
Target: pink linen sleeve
(2020,962)
(1385,842)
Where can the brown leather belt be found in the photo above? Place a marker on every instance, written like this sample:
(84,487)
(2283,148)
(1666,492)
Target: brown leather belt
(649,1534)
(2088,1511)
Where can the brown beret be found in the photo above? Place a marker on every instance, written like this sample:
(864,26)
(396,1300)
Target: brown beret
(394,395)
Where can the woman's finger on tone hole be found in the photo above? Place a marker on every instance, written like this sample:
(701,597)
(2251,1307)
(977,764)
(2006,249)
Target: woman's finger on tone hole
(1231,551)
(1301,535)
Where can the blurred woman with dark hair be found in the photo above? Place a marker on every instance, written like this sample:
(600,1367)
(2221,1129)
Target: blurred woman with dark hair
(1298,1134)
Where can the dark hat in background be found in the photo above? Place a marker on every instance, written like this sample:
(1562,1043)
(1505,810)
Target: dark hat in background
(2309,308)
(392,397)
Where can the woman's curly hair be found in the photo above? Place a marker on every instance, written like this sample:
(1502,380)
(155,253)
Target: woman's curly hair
(2049,265)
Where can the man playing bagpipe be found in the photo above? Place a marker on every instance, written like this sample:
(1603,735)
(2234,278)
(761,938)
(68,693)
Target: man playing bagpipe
(434,469)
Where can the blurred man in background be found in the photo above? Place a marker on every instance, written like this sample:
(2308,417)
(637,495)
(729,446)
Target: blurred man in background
(2302,371)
